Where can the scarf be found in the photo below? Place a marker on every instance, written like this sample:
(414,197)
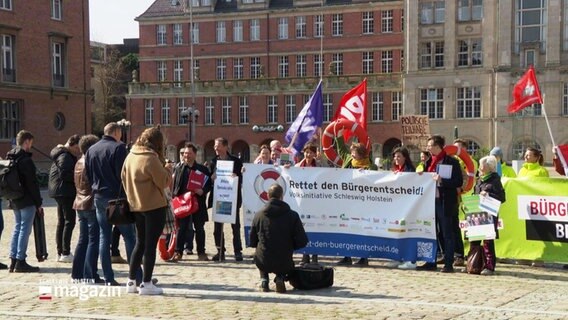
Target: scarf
(435,160)
(398,169)
(363,163)
(305,163)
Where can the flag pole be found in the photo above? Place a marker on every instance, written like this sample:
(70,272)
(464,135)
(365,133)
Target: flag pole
(546,119)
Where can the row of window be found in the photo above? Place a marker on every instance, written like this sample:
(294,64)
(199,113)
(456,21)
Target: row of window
(272,106)
(285,68)
(469,53)
(431,102)
(435,11)
(8,60)
(55,5)
(300,30)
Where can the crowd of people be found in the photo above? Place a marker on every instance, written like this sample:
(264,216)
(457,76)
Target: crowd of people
(87,172)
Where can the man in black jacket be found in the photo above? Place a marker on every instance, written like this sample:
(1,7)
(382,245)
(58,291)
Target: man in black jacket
(182,173)
(61,187)
(446,198)
(25,207)
(276,231)
(222,150)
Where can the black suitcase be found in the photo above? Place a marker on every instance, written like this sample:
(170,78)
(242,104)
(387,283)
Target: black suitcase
(39,235)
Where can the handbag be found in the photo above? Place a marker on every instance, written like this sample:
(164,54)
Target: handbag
(311,276)
(475,260)
(185,204)
(118,210)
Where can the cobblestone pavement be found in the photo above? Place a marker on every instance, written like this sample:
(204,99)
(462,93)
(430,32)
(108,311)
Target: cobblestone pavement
(227,290)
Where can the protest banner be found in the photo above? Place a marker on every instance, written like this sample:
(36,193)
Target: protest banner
(535,220)
(225,192)
(415,130)
(356,213)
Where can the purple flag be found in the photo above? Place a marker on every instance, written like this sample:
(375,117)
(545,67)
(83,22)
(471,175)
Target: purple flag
(307,122)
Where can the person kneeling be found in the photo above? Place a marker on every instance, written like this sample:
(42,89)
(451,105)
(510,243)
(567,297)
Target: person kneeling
(276,232)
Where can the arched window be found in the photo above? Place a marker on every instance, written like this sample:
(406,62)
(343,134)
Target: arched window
(520,146)
(472,147)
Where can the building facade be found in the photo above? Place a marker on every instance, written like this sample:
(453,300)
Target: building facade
(256,62)
(44,84)
(464,58)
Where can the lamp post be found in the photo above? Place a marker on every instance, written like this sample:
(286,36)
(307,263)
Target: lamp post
(124,126)
(192,112)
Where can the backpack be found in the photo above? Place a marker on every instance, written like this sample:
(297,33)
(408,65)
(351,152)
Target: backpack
(10,185)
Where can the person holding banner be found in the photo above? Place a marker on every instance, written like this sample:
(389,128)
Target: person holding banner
(264,156)
(402,163)
(448,177)
(276,231)
(221,147)
(310,152)
(356,157)
(489,184)
(533,164)
(194,177)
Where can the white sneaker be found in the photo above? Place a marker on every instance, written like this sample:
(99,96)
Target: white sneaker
(66,258)
(148,288)
(392,264)
(131,286)
(407,265)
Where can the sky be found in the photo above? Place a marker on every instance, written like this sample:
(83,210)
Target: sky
(113,20)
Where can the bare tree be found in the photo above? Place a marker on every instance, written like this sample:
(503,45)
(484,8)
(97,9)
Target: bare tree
(111,78)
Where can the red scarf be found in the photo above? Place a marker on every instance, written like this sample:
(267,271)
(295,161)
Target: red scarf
(305,163)
(398,169)
(435,160)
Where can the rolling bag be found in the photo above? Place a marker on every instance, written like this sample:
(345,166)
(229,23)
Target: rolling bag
(39,235)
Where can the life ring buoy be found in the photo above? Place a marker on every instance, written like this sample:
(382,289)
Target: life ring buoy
(331,132)
(165,247)
(452,150)
(259,182)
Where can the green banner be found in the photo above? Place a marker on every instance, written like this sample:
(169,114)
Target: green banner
(534,220)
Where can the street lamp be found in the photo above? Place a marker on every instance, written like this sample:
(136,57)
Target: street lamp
(192,112)
(124,126)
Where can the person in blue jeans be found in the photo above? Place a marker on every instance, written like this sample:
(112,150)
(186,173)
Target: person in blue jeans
(87,250)
(25,207)
(103,163)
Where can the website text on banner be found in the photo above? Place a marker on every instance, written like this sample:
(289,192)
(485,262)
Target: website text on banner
(351,212)
(535,220)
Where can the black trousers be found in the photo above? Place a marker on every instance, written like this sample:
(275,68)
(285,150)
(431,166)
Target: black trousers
(66,217)
(182,232)
(218,231)
(149,226)
(114,250)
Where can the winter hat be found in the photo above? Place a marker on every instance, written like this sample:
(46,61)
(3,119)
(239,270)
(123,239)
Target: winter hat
(496,152)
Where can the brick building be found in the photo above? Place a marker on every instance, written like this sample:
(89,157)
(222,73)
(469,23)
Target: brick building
(44,83)
(257,61)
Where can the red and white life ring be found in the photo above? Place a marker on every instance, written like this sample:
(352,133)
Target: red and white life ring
(453,150)
(260,182)
(166,249)
(331,132)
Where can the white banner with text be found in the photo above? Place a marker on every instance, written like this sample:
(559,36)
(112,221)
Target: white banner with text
(346,212)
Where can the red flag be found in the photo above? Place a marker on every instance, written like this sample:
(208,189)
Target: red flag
(353,106)
(525,92)
(562,153)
